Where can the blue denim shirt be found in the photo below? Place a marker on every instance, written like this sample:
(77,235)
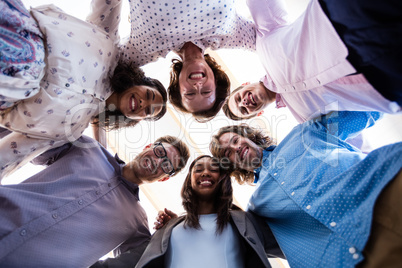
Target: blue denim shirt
(317,192)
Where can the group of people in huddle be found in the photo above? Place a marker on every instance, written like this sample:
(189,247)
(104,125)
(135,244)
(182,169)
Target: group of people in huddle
(318,200)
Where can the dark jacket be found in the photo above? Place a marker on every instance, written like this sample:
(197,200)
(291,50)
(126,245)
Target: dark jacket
(257,241)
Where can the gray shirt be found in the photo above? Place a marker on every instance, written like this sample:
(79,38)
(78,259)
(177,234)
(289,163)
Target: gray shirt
(72,213)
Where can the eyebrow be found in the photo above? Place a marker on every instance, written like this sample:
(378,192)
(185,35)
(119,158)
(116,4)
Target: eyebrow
(153,95)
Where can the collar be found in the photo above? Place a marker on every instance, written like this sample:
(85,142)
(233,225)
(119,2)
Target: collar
(265,154)
(132,187)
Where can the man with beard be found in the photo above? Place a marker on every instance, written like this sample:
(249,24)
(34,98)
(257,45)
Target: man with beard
(327,203)
(83,205)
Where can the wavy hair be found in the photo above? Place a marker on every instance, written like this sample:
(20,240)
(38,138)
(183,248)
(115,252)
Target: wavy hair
(125,76)
(222,203)
(222,83)
(257,136)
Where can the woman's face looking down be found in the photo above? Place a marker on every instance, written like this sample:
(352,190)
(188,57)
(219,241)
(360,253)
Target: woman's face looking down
(197,86)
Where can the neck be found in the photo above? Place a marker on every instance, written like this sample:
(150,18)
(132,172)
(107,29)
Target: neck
(112,100)
(271,95)
(190,52)
(129,175)
(206,207)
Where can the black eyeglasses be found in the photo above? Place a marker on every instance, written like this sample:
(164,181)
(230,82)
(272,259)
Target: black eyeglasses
(160,152)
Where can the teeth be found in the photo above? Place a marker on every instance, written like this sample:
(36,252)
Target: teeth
(196,76)
(132,104)
(244,153)
(252,99)
(206,183)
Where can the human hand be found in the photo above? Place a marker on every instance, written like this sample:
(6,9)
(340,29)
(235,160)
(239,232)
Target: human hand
(164,216)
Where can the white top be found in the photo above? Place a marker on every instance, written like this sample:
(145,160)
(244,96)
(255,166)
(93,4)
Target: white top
(159,27)
(80,57)
(305,63)
(189,247)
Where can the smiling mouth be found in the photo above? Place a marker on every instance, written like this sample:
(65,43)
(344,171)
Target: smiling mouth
(196,76)
(149,166)
(251,99)
(206,183)
(133,104)
(244,153)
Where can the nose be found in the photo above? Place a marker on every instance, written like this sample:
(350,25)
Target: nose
(205,173)
(245,101)
(197,85)
(144,104)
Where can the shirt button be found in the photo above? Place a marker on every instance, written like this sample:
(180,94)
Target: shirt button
(355,256)
(333,224)
(308,207)
(352,250)
(23,232)
(109,184)
(293,193)
(275,174)
(54,216)
(67,84)
(97,192)
(80,202)
(282,182)
(293,87)
(26,67)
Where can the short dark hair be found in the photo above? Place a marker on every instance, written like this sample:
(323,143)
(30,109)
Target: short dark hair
(125,76)
(222,83)
(258,136)
(223,198)
(181,147)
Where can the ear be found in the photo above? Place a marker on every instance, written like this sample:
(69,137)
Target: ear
(245,84)
(164,179)
(260,113)
(148,146)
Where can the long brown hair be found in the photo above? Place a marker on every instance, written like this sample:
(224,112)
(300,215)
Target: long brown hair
(223,198)
(222,83)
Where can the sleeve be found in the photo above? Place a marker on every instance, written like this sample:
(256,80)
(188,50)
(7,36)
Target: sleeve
(348,124)
(271,246)
(129,252)
(106,15)
(241,36)
(127,259)
(268,14)
(50,156)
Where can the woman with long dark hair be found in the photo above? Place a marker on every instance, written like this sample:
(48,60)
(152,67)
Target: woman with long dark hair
(58,74)
(214,232)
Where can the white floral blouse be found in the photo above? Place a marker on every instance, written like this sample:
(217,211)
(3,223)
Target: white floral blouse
(161,26)
(80,56)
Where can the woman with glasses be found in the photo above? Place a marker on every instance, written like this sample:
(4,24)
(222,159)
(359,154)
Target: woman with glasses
(79,81)
(213,233)
(198,85)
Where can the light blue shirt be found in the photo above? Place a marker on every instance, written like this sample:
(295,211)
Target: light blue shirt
(197,248)
(317,192)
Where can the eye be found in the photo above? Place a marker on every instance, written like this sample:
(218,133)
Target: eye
(148,111)
(235,140)
(190,94)
(148,94)
(206,93)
